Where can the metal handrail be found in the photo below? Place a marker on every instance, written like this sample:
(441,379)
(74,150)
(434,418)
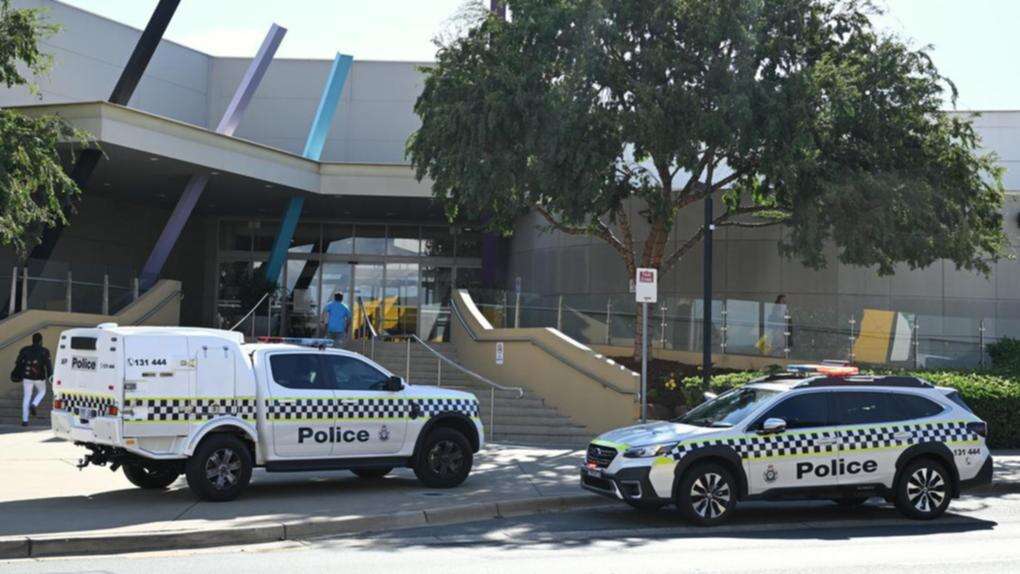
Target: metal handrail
(249,313)
(463,369)
(368,319)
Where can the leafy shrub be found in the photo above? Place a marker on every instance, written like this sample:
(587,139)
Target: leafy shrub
(993,397)
(1005,355)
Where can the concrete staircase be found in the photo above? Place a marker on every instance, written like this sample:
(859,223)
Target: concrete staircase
(526,420)
(10,406)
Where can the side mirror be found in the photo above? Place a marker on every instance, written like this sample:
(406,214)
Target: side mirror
(393,384)
(773,426)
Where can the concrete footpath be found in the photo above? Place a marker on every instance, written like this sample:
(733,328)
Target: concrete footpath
(49,508)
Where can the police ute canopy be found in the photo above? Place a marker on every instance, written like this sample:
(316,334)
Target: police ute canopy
(159,402)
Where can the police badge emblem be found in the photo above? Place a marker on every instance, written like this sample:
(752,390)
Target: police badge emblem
(771,474)
(384,433)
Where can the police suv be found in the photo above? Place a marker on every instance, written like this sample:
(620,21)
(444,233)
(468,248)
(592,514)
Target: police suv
(816,432)
(164,401)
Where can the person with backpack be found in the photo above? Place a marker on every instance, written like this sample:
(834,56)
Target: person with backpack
(32,368)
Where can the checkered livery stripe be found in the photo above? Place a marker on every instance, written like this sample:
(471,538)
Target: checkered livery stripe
(793,443)
(187,410)
(365,408)
(73,402)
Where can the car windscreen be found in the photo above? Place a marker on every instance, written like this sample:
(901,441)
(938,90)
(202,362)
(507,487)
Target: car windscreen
(729,408)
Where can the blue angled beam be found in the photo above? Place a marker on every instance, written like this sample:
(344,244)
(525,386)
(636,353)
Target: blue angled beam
(196,185)
(313,150)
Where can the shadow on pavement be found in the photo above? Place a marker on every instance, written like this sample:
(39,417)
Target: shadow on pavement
(630,528)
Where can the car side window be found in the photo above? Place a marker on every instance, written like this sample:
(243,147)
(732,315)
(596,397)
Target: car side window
(862,408)
(299,371)
(915,407)
(808,410)
(351,374)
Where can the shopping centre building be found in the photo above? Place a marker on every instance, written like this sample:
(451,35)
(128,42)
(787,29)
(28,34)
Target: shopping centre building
(370,230)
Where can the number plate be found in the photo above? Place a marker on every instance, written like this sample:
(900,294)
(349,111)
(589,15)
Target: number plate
(86,415)
(595,472)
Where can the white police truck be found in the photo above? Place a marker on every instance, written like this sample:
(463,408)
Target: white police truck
(164,401)
(815,432)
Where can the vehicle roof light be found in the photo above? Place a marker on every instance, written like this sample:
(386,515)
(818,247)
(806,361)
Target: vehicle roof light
(824,369)
(302,341)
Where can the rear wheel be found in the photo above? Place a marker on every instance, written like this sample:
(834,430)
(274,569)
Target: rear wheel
(220,468)
(370,473)
(923,490)
(444,459)
(150,476)
(707,494)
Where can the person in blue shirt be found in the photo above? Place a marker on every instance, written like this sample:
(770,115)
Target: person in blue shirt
(337,318)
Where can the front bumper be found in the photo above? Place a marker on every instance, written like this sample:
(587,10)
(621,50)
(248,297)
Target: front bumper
(629,484)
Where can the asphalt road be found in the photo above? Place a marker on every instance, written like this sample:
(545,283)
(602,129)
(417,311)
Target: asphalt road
(980,534)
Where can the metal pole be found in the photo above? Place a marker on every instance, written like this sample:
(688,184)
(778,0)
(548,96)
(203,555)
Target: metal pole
(106,294)
(852,323)
(24,288)
(407,363)
(492,411)
(559,314)
(662,327)
(917,344)
(786,333)
(269,316)
(981,342)
(134,288)
(67,293)
(439,372)
(725,330)
(609,321)
(706,272)
(517,310)
(644,363)
(14,292)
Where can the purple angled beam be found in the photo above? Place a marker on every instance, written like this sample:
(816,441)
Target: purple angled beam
(196,185)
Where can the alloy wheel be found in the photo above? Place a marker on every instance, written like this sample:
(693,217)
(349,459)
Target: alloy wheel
(222,468)
(926,489)
(445,458)
(710,495)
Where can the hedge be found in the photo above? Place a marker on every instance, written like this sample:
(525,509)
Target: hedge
(993,397)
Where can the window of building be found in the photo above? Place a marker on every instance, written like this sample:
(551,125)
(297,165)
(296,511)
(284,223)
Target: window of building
(403,241)
(299,371)
(436,241)
(370,239)
(339,239)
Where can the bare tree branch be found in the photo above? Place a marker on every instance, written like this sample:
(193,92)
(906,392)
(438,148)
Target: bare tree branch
(598,229)
(721,221)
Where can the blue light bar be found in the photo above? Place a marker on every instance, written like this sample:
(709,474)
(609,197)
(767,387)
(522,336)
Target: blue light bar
(302,341)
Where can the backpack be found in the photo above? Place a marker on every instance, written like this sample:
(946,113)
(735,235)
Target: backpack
(17,371)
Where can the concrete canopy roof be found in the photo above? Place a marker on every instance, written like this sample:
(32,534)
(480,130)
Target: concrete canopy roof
(205,150)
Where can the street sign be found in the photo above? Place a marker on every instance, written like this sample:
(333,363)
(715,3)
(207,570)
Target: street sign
(646,285)
(499,353)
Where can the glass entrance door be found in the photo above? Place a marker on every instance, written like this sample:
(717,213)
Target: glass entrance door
(368,299)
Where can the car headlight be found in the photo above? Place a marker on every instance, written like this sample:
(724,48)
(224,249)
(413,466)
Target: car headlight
(649,451)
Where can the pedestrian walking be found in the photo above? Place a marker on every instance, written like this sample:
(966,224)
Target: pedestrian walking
(32,369)
(337,318)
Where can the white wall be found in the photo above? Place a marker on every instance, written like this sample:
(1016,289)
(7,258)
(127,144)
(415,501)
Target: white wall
(371,125)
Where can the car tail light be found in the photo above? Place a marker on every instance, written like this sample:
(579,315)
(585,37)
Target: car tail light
(58,404)
(979,428)
(112,410)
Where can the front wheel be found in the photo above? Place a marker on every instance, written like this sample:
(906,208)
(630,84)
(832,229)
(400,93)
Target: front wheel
(922,492)
(150,476)
(220,468)
(444,459)
(707,494)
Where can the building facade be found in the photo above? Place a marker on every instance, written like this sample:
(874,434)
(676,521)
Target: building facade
(370,231)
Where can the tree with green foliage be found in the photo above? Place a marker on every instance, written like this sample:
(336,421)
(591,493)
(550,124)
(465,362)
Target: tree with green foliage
(33,184)
(796,113)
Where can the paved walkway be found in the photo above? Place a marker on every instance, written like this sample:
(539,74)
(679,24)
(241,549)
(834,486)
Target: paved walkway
(42,493)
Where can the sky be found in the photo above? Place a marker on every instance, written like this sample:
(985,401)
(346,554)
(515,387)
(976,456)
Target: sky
(974,42)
